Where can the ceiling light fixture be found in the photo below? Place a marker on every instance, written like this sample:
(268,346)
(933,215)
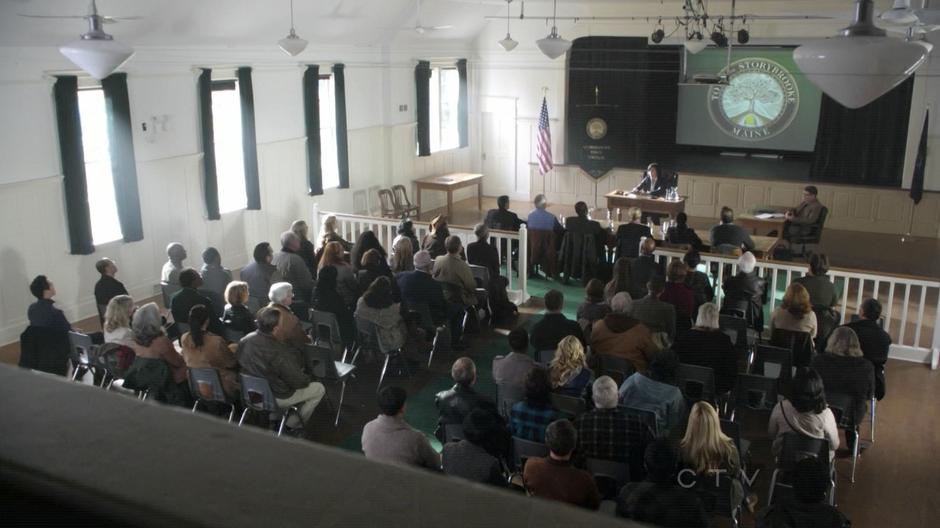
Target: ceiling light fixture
(292,44)
(96,52)
(508,43)
(695,44)
(900,14)
(553,46)
(860,64)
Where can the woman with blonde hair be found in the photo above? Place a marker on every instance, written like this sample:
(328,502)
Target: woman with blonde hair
(346,283)
(570,374)
(846,372)
(328,233)
(237,316)
(795,312)
(433,242)
(117,320)
(402,257)
(706,450)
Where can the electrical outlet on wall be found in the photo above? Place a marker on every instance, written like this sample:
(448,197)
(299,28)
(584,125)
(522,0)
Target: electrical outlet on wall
(403,108)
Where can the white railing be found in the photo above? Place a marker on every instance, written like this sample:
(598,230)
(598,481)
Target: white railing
(910,304)
(351,226)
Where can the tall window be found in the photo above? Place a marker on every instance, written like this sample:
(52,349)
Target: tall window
(102,204)
(328,159)
(445,92)
(227,137)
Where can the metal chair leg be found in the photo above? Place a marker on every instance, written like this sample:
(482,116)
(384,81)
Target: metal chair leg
(858,440)
(195,405)
(231,413)
(339,406)
(280,426)
(874,403)
(382,375)
(773,484)
(242,419)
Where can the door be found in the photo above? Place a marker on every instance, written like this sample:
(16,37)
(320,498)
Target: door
(499,145)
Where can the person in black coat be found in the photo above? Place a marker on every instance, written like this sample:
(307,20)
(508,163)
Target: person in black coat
(373,266)
(327,299)
(366,241)
(844,370)
(681,233)
(436,236)
(643,268)
(706,345)
(184,300)
(419,287)
(630,234)
(107,286)
(554,326)
(306,251)
(455,403)
(808,506)
(501,217)
(698,281)
(581,224)
(482,253)
(875,342)
(746,293)
(237,317)
(654,182)
(727,233)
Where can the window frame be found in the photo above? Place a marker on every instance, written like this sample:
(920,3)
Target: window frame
(333,147)
(436,70)
(219,85)
(90,85)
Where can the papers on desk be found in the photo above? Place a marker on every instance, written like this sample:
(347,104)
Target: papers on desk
(630,195)
(768,216)
(445,180)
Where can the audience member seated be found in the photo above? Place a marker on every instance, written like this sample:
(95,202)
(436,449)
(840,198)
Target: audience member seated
(805,412)
(419,287)
(655,390)
(602,432)
(346,284)
(377,306)
(530,417)
(570,373)
(43,313)
(874,341)
(373,266)
(801,219)
(544,234)
(795,312)
(184,300)
(328,233)
(822,292)
(292,267)
(679,296)
(582,224)
(681,233)
(655,183)
(327,298)
(107,286)
(406,231)
(262,354)
(237,317)
(367,241)
(260,274)
(117,320)
(176,254)
(203,349)
(553,326)
(289,330)
(643,268)
(659,316)
(594,308)
(554,477)
(468,458)
(706,450)
(808,507)
(630,235)
(436,237)
(482,253)
(388,438)
(214,277)
(402,257)
(746,293)
(660,500)
(620,335)
(727,233)
(702,290)
(512,368)
(501,217)
(151,342)
(455,403)
(452,270)
(844,370)
(706,345)
(306,251)
(620,281)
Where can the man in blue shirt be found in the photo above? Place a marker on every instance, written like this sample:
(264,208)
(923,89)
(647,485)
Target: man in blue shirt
(544,234)
(654,391)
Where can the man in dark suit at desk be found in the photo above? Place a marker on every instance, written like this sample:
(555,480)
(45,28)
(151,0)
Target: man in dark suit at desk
(727,233)
(800,219)
(654,183)
(502,217)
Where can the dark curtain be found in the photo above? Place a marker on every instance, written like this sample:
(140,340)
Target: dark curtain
(73,165)
(123,162)
(342,144)
(312,122)
(463,127)
(210,181)
(864,146)
(249,143)
(423,106)
(920,163)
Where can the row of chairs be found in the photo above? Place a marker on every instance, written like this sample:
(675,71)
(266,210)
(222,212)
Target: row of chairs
(395,203)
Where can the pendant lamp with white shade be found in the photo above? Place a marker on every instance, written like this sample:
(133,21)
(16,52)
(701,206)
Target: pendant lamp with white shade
(508,43)
(860,64)
(292,44)
(553,46)
(695,43)
(96,52)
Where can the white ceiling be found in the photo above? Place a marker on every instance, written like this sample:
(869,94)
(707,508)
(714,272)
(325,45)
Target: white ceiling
(235,23)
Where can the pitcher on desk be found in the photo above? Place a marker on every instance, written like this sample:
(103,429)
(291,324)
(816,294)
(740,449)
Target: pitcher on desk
(654,183)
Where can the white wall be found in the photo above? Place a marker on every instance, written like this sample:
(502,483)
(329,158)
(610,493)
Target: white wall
(162,82)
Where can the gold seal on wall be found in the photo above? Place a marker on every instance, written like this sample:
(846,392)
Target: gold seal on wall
(596,128)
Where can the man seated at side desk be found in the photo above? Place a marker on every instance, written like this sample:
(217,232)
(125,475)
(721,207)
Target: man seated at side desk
(728,233)
(805,215)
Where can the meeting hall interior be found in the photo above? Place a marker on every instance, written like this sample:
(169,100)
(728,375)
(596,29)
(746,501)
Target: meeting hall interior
(494,263)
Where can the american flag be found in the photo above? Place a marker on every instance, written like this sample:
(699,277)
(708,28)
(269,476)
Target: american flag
(544,149)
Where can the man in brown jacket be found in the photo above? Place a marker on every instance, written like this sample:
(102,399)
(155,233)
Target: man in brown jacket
(455,272)
(622,336)
(805,214)
(554,478)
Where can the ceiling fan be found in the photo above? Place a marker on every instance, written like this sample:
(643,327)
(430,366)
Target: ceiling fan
(95,51)
(421,29)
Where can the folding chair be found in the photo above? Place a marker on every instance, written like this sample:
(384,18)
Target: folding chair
(800,345)
(81,354)
(168,290)
(206,387)
(696,383)
(774,362)
(743,337)
(425,321)
(843,407)
(257,397)
(369,338)
(506,396)
(754,393)
(618,368)
(717,493)
(525,449)
(326,328)
(114,359)
(569,405)
(320,363)
(482,273)
(733,431)
(609,475)
(544,357)
(796,447)
(232,336)
(453,433)
(388,205)
(642,428)
(402,204)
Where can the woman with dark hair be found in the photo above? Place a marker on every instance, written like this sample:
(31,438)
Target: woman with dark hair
(433,242)
(702,290)
(822,292)
(326,298)
(681,233)
(373,266)
(366,241)
(260,274)
(806,413)
(795,312)
(621,280)
(679,295)
(306,251)
(346,283)
(203,349)
(406,231)
(594,306)
(531,416)
(42,313)
(377,306)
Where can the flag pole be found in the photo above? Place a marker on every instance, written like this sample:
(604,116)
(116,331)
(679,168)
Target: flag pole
(908,237)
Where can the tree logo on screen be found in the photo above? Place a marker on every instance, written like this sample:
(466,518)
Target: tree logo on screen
(596,128)
(760,100)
